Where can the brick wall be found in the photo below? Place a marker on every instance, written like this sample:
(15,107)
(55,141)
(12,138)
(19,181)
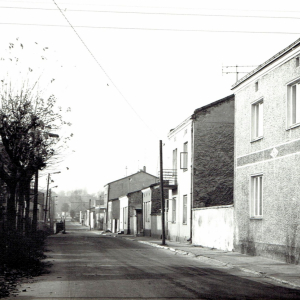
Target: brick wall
(156,200)
(214,155)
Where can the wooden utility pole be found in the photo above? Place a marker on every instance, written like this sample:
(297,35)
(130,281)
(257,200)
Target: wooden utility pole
(35,201)
(162,195)
(47,192)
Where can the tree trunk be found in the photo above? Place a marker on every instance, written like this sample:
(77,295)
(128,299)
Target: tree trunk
(20,216)
(27,210)
(11,207)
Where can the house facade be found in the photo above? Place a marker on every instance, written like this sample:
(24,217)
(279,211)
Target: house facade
(131,213)
(178,153)
(267,157)
(119,188)
(199,154)
(152,222)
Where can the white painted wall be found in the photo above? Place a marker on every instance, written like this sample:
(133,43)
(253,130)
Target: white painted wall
(123,204)
(213,227)
(181,134)
(146,199)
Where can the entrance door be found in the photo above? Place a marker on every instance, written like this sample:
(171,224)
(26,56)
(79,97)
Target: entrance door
(139,220)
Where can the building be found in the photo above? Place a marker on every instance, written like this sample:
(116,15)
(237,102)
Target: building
(152,222)
(131,213)
(267,158)
(121,187)
(199,174)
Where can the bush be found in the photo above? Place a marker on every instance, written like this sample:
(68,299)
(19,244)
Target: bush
(23,253)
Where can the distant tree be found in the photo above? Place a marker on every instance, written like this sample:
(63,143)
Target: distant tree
(72,213)
(65,207)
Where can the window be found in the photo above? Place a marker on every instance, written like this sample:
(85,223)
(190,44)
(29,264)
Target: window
(174,210)
(257,119)
(175,159)
(184,216)
(293,93)
(147,209)
(125,214)
(184,157)
(256,196)
(256,86)
(297,62)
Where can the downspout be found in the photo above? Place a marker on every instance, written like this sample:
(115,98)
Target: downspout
(107,208)
(192,182)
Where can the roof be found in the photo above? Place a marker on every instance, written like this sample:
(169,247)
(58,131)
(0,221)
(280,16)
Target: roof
(213,104)
(268,62)
(141,171)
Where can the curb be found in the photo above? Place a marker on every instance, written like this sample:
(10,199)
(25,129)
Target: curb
(217,262)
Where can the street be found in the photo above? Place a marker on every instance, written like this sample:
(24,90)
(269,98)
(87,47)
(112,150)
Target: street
(88,265)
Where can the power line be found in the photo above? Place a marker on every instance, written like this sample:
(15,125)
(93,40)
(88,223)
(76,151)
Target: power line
(111,81)
(154,13)
(151,29)
(155,7)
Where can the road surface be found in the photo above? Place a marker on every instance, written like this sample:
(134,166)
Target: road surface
(87,265)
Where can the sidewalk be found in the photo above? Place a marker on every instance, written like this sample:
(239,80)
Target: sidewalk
(276,270)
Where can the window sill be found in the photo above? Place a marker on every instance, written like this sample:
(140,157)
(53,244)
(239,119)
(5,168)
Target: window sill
(293,126)
(256,218)
(257,139)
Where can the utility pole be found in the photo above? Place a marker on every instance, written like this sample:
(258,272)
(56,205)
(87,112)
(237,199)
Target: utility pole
(35,202)
(162,195)
(48,180)
(90,214)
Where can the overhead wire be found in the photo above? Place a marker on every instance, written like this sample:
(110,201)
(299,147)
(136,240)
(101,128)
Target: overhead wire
(111,81)
(155,13)
(151,29)
(154,7)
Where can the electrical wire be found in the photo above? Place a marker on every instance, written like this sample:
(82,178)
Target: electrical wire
(150,29)
(154,7)
(155,13)
(111,81)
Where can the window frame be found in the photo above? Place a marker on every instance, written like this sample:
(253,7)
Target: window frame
(174,210)
(293,113)
(184,210)
(184,157)
(257,119)
(256,203)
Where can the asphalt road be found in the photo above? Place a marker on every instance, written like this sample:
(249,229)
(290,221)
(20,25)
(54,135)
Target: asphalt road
(87,265)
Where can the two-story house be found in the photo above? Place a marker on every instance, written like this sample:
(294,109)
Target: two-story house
(199,165)
(267,158)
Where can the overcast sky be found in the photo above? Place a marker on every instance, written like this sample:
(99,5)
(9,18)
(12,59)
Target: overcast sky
(135,69)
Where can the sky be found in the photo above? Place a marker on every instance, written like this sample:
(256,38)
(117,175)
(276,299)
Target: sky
(131,70)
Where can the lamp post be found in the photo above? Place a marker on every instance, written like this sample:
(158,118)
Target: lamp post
(52,213)
(47,195)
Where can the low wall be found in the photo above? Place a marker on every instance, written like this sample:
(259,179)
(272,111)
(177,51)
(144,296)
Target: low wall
(213,227)
(156,231)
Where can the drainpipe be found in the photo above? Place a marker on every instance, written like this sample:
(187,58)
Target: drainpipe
(192,180)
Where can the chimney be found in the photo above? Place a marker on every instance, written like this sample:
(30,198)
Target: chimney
(144,168)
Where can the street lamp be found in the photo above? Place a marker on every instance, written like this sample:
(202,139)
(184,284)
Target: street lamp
(47,194)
